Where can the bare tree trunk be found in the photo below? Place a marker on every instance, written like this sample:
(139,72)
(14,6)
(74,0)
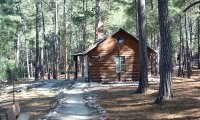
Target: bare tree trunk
(136,18)
(56,63)
(97,17)
(48,65)
(187,48)
(71,47)
(58,54)
(17,49)
(165,88)
(198,22)
(27,55)
(65,45)
(180,70)
(143,82)
(57,41)
(154,56)
(27,61)
(84,23)
(37,42)
(31,64)
(54,58)
(190,49)
(42,44)
(157,55)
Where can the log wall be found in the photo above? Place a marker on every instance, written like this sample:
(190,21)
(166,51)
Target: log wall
(102,66)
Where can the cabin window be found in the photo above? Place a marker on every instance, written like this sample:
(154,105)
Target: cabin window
(120,64)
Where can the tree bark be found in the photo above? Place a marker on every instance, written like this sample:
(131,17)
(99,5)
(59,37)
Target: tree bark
(198,22)
(58,38)
(31,64)
(70,65)
(27,55)
(17,49)
(27,61)
(54,58)
(165,88)
(187,48)
(85,23)
(97,17)
(37,42)
(190,49)
(136,18)
(65,44)
(157,56)
(180,70)
(143,82)
(42,44)
(55,64)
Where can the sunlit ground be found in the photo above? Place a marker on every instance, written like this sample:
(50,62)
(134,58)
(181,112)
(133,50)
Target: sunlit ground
(122,103)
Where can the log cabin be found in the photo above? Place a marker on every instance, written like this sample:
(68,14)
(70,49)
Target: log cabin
(114,58)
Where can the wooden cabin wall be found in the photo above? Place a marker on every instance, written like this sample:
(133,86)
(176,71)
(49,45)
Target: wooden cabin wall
(102,66)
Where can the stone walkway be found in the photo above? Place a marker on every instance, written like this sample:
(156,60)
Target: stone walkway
(71,105)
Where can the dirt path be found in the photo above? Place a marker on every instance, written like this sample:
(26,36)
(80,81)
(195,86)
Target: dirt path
(35,101)
(71,104)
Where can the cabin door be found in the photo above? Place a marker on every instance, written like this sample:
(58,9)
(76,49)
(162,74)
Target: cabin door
(86,66)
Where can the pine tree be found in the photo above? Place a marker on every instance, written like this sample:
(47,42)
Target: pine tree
(37,42)
(181,54)
(165,88)
(143,80)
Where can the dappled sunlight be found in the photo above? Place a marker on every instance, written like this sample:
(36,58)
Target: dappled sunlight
(121,102)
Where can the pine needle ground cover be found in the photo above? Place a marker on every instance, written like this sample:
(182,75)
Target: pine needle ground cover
(123,103)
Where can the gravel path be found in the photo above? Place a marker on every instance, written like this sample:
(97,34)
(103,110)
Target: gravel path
(70,104)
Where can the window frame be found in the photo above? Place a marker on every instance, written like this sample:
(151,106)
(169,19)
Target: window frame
(120,64)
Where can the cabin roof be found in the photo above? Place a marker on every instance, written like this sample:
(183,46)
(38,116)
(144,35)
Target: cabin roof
(103,39)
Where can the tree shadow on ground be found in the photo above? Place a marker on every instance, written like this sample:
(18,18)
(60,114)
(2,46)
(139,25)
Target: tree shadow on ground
(123,103)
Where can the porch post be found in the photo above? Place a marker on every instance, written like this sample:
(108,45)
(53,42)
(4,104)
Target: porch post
(75,67)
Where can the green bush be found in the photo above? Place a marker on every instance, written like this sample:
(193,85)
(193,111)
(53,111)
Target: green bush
(9,71)
(21,72)
(6,67)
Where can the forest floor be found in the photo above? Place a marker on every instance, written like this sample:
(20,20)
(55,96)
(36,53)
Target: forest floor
(53,100)
(122,103)
(35,98)
(61,100)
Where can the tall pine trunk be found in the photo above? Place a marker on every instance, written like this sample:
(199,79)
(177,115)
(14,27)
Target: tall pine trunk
(136,18)
(198,33)
(165,88)
(42,44)
(181,55)
(71,43)
(143,82)
(31,63)
(190,49)
(84,23)
(56,43)
(27,60)
(65,45)
(27,52)
(157,56)
(17,49)
(37,42)
(54,48)
(187,48)
(97,17)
